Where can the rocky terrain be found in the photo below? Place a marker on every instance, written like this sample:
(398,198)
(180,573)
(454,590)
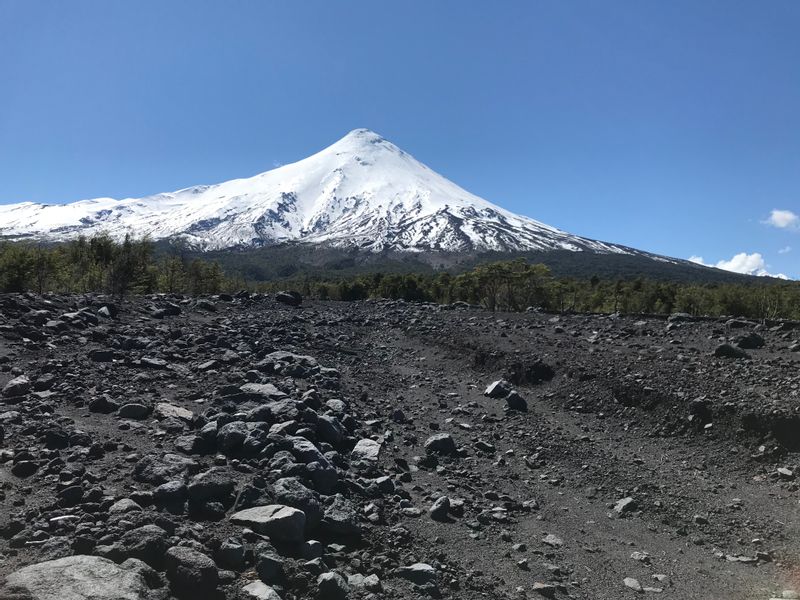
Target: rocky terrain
(241,447)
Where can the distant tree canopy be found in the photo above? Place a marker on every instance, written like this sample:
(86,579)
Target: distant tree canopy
(517,285)
(132,266)
(100,264)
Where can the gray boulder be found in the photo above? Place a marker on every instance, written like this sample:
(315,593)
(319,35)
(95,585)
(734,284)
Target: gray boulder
(419,573)
(76,578)
(441,443)
(366,451)
(751,341)
(133,410)
(277,521)
(214,484)
(728,351)
(161,469)
(259,590)
(191,574)
(516,402)
(498,389)
(19,386)
(291,492)
(332,586)
(341,517)
(231,437)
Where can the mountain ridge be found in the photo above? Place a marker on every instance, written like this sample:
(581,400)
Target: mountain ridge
(362,191)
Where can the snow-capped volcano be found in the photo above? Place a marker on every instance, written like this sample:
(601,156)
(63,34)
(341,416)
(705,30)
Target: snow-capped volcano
(362,191)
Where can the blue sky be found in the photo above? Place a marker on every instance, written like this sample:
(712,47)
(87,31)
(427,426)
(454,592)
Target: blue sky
(668,126)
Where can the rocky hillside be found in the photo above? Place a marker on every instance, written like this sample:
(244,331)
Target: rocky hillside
(254,447)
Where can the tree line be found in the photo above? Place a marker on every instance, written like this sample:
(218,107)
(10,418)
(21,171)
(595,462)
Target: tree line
(518,285)
(132,266)
(101,264)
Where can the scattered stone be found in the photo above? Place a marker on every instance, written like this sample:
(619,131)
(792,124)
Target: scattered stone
(553,540)
(625,505)
(340,517)
(165,410)
(439,508)
(291,298)
(133,410)
(516,402)
(418,573)
(728,351)
(548,590)
(279,522)
(633,584)
(214,484)
(259,591)
(441,443)
(75,578)
(332,586)
(498,389)
(125,505)
(366,451)
(191,574)
(751,341)
(19,386)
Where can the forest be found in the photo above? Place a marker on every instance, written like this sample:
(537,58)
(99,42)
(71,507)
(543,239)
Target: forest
(133,266)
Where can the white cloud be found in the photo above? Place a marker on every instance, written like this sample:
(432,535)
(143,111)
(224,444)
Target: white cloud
(785,250)
(783,219)
(747,264)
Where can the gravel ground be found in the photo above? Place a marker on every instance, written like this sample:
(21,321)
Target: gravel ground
(616,457)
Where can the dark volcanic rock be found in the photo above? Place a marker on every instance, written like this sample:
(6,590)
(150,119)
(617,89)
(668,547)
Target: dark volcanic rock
(728,351)
(156,469)
(354,450)
(191,574)
(19,386)
(441,443)
(214,484)
(751,341)
(291,298)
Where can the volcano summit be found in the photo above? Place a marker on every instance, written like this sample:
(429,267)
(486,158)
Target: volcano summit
(361,192)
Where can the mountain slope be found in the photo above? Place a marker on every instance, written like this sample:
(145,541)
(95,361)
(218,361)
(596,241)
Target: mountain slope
(363,191)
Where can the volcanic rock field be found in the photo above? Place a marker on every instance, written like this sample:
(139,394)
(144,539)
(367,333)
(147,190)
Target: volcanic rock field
(256,446)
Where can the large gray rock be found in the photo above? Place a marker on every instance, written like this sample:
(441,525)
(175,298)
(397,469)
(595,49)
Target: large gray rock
(419,573)
(165,410)
(214,484)
(341,517)
(192,574)
(330,429)
(366,451)
(332,586)
(322,473)
(291,492)
(279,522)
(258,590)
(498,389)
(147,543)
(441,443)
(728,351)
(283,410)
(160,469)
(231,436)
(265,391)
(19,386)
(76,578)
(515,401)
(751,341)
(133,410)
